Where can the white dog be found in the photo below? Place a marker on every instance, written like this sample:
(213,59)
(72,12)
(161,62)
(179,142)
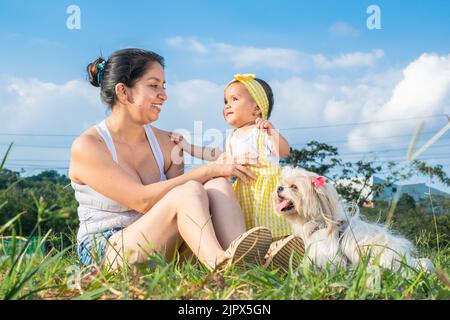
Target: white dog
(330,233)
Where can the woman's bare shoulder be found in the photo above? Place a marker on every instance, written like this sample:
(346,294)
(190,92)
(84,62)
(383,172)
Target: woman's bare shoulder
(87,139)
(166,145)
(163,139)
(87,144)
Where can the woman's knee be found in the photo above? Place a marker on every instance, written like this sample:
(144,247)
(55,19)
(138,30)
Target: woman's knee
(193,187)
(189,190)
(221,184)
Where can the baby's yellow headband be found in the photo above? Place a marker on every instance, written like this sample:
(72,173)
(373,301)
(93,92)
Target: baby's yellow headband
(256,91)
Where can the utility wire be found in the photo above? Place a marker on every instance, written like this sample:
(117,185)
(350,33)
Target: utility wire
(283,129)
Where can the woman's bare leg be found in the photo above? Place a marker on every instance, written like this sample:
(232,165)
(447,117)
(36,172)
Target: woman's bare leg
(227,216)
(183,213)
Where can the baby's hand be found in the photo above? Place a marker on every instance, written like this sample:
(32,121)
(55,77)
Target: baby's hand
(264,125)
(178,139)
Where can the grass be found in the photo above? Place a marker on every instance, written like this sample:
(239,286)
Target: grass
(29,272)
(56,275)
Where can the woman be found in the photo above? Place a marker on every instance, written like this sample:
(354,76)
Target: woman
(133,197)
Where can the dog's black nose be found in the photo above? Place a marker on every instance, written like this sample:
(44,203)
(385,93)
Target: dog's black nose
(280,189)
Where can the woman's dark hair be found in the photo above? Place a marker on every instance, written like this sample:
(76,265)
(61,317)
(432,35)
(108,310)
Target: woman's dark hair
(123,66)
(269,94)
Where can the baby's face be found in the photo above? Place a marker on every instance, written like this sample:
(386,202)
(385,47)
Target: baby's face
(239,108)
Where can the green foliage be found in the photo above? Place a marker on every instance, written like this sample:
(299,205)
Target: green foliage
(407,202)
(414,221)
(46,198)
(353,179)
(317,157)
(38,277)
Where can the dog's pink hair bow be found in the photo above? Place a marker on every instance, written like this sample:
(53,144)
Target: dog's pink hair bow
(318,181)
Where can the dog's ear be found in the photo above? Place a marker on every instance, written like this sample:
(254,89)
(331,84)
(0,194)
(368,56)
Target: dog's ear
(328,207)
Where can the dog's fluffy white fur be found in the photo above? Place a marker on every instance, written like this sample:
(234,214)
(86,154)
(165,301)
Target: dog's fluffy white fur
(331,233)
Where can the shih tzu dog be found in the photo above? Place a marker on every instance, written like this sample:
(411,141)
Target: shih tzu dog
(330,232)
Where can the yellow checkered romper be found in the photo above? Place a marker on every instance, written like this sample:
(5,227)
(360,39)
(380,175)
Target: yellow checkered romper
(256,199)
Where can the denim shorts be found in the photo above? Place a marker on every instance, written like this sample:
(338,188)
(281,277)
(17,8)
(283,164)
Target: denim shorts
(91,250)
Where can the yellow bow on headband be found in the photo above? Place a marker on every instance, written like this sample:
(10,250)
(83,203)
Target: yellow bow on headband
(256,90)
(246,76)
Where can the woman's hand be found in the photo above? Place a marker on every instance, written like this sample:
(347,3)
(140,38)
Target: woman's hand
(234,166)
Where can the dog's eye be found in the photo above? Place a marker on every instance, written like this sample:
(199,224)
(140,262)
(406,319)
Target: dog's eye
(293,187)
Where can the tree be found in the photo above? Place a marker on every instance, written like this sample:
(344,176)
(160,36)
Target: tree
(407,201)
(45,198)
(317,157)
(353,180)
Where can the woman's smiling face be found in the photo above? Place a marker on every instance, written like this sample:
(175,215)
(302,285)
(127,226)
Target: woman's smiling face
(239,108)
(148,94)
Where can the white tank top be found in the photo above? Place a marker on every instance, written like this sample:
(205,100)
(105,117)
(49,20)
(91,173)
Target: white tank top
(98,213)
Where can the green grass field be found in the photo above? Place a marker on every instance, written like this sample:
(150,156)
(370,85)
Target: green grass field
(55,275)
(28,271)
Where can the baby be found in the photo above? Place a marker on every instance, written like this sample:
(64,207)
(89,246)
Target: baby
(248,106)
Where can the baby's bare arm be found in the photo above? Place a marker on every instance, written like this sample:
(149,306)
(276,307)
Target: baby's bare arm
(204,153)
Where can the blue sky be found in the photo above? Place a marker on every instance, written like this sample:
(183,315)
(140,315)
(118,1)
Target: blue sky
(326,67)
(408,27)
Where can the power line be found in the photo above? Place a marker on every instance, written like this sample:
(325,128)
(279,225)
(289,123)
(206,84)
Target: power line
(35,146)
(443,157)
(29,160)
(282,129)
(369,153)
(365,140)
(389,150)
(37,167)
(190,166)
(436,156)
(294,144)
(38,135)
(364,123)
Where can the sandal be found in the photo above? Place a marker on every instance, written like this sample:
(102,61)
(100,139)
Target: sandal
(249,248)
(280,252)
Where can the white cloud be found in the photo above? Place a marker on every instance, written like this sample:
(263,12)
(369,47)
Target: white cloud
(329,100)
(191,44)
(36,106)
(298,102)
(423,91)
(46,43)
(175,41)
(348,60)
(342,29)
(33,106)
(273,58)
(422,88)
(194,94)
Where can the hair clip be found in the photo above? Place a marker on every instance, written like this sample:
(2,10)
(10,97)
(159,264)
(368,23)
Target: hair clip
(318,181)
(101,65)
(100,68)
